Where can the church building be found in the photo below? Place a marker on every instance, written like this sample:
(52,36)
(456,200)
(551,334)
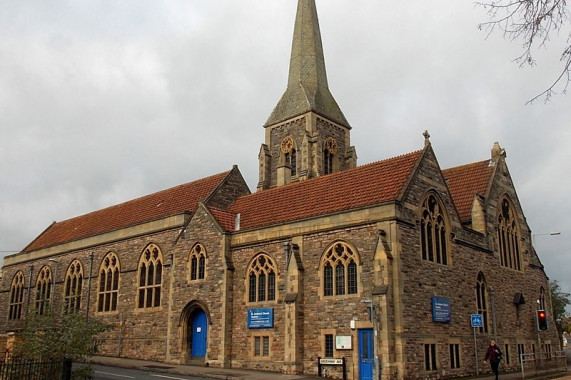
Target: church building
(392,268)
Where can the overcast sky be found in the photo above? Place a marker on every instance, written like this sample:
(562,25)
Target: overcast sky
(105,101)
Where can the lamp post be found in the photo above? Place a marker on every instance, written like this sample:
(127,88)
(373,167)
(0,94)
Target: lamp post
(544,234)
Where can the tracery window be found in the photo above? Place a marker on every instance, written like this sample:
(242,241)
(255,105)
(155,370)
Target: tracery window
(73,284)
(482,301)
(108,283)
(16,296)
(150,277)
(290,154)
(262,279)
(433,235)
(541,298)
(197,262)
(340,270)
(329,151)
(508,237)
(44,285)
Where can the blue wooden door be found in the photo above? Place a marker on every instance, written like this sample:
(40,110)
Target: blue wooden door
(366,354)
(199,334)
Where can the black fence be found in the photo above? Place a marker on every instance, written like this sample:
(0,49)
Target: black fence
(19,369)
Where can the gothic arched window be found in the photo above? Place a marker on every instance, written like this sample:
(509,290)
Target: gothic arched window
(541,298)
(16,296)
(150,277)
(73,284)
(108,294)
(329,152)
(44,285)
(197,262)
(290,154)
(433,235)
(261,277)
(339,270)
(508,236)
(482,301)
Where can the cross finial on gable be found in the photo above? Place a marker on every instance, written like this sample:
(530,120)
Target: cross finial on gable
(426,138)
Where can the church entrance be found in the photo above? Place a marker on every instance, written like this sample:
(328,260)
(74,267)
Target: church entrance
(194,322)
(198,328)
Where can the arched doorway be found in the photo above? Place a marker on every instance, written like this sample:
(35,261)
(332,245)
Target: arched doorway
(194,321)
(197,334)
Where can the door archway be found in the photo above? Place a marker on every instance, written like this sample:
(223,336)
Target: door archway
(194,322)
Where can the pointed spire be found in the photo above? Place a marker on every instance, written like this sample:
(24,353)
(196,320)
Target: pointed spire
(307,88)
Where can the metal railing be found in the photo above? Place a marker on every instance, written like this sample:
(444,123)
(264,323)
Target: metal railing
(542,363)
(20,369)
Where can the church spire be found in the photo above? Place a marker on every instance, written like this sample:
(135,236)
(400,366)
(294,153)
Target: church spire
(307,88)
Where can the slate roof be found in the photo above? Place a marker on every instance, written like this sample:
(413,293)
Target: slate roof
(465,181)
(365,185)
(173,201)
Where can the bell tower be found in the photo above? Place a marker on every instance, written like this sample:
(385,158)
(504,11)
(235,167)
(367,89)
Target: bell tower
(306,135)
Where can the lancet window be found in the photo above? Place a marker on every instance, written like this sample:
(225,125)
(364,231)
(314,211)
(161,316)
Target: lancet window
(433,231)
(44,285)
(16,296)
(482,301)
(290,154)
(197,262)
(339,270)
(73,284)
(262,279)
(150,277)
(108,294)
(329,152)
(508,236)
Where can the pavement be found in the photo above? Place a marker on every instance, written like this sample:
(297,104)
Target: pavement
(243,374)
(197,371)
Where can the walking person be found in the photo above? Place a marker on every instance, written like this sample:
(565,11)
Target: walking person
(494,356)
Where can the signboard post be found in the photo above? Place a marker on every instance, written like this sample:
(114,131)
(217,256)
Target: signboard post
(331,361)
(476,322)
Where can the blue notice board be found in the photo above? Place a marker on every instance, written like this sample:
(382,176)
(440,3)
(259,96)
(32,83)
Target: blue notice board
(441,311)
(261,318)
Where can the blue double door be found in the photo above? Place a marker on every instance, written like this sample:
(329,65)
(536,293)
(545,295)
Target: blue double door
(198,326)
(366,354)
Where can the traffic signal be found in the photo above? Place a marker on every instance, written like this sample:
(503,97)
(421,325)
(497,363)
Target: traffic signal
(541,320)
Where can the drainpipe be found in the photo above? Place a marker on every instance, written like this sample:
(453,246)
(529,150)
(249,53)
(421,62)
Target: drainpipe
(89,285)
(493,304)
(29,289)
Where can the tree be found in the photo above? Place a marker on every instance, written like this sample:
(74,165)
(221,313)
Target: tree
(534,22)
(559,300)
(58,336)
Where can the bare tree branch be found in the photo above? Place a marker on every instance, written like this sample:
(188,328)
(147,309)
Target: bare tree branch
(534,22)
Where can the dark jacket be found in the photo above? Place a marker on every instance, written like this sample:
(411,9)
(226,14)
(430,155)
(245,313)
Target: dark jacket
(494,355)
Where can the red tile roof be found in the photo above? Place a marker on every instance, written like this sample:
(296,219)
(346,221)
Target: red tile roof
(349,189)
(465,181)
(226,219)
(176,200)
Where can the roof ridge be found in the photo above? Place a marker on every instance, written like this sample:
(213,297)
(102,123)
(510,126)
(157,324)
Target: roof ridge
(332,175)
(137,199)
(466,165)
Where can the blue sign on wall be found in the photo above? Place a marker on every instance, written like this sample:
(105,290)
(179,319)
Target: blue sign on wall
(441,311)
(260,318)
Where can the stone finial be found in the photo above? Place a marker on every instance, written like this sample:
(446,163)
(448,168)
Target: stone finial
(426,138)
(497,152)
